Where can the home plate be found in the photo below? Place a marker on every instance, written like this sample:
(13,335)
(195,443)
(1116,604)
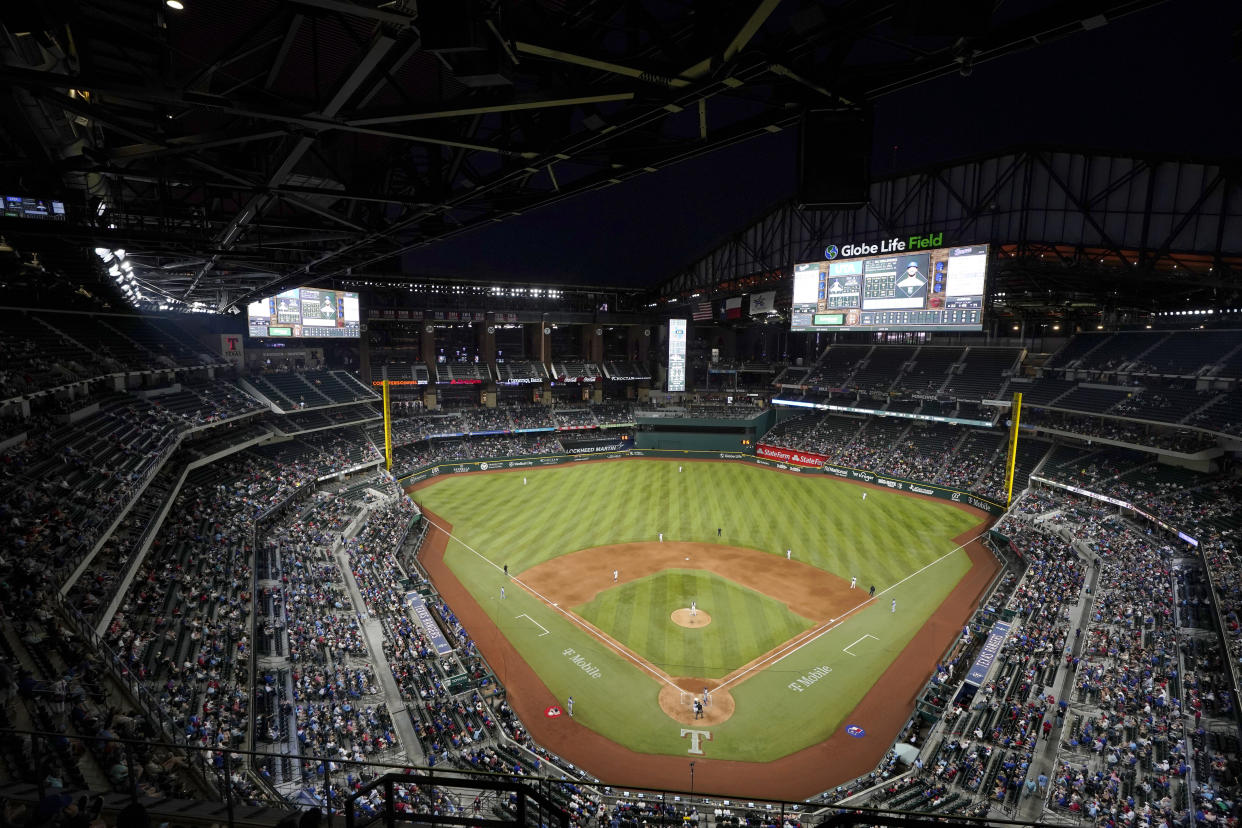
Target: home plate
(687,559)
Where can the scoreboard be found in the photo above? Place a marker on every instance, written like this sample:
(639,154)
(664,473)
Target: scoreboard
(924,290)
(33,208)
(306,313)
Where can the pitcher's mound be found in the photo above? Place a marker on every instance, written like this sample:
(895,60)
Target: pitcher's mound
(677,702)
(683,618)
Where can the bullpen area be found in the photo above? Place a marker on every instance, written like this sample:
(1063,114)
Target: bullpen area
(712,611)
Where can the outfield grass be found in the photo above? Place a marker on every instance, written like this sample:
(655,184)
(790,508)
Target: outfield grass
(745,624)
(883,541)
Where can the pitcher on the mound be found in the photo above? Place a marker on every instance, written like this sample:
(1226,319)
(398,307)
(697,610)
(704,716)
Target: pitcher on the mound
(693,610)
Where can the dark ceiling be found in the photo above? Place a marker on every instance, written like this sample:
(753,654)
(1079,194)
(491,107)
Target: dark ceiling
(232,148)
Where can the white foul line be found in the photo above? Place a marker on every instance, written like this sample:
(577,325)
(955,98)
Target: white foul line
(568,615)
(793,647)
(864,638)
(542,627)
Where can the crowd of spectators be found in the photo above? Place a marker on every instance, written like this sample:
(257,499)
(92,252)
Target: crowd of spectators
(964,460)
(26,368)
(1108,702)
(411,457)
(417,425)
(575,417)
(61,487)
(1120,430)
(1126,748)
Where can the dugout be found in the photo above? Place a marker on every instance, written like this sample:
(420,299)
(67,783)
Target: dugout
(678,432)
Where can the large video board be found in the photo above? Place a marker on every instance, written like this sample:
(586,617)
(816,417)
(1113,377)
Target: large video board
(676,355)
(926,290)
(33,208)
(306,312)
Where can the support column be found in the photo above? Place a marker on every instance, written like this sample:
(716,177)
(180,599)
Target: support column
(485,338)
(592,343)
(427,345)
(364,357)
(633,333)
(540,343)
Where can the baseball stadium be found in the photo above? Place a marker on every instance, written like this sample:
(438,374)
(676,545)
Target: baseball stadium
(531,414)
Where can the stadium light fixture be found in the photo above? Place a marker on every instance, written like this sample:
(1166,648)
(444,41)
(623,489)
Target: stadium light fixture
(104,254)
(115,271)
(175,5)
(119,253)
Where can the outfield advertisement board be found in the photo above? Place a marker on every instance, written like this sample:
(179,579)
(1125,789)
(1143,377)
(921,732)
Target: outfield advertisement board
(791,456)
(806,462)
(596,445)
(898,484)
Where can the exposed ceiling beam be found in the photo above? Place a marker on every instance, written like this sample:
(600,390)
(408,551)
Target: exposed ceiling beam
(750,28)
(380,45)
(512,106)
(596,63)
(189,143)
(354,10)
(282,54)
(220,104)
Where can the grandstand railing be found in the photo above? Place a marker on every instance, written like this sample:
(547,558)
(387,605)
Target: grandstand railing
(1222,636)
(430,795)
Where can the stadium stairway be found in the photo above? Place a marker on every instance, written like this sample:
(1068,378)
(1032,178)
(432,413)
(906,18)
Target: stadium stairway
(372,633)
(117,364)
(1159,341)
(163,361)
(1226,358)
(266,399)
(1073,363)
(1045,758)
(1213,401)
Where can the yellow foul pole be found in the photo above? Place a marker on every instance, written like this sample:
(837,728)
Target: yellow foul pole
(387,430)
(1011,458)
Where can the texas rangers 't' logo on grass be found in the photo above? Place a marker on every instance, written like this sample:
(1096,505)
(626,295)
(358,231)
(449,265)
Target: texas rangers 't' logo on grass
(855,731)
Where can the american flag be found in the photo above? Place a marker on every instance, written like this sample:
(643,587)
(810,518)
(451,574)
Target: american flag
(702,311)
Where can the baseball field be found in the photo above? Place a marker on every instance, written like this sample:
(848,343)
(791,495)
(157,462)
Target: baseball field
(637,586)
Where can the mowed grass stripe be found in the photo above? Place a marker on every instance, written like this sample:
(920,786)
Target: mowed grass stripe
(823,520)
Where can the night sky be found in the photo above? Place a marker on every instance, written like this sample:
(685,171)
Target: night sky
(1157,81)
